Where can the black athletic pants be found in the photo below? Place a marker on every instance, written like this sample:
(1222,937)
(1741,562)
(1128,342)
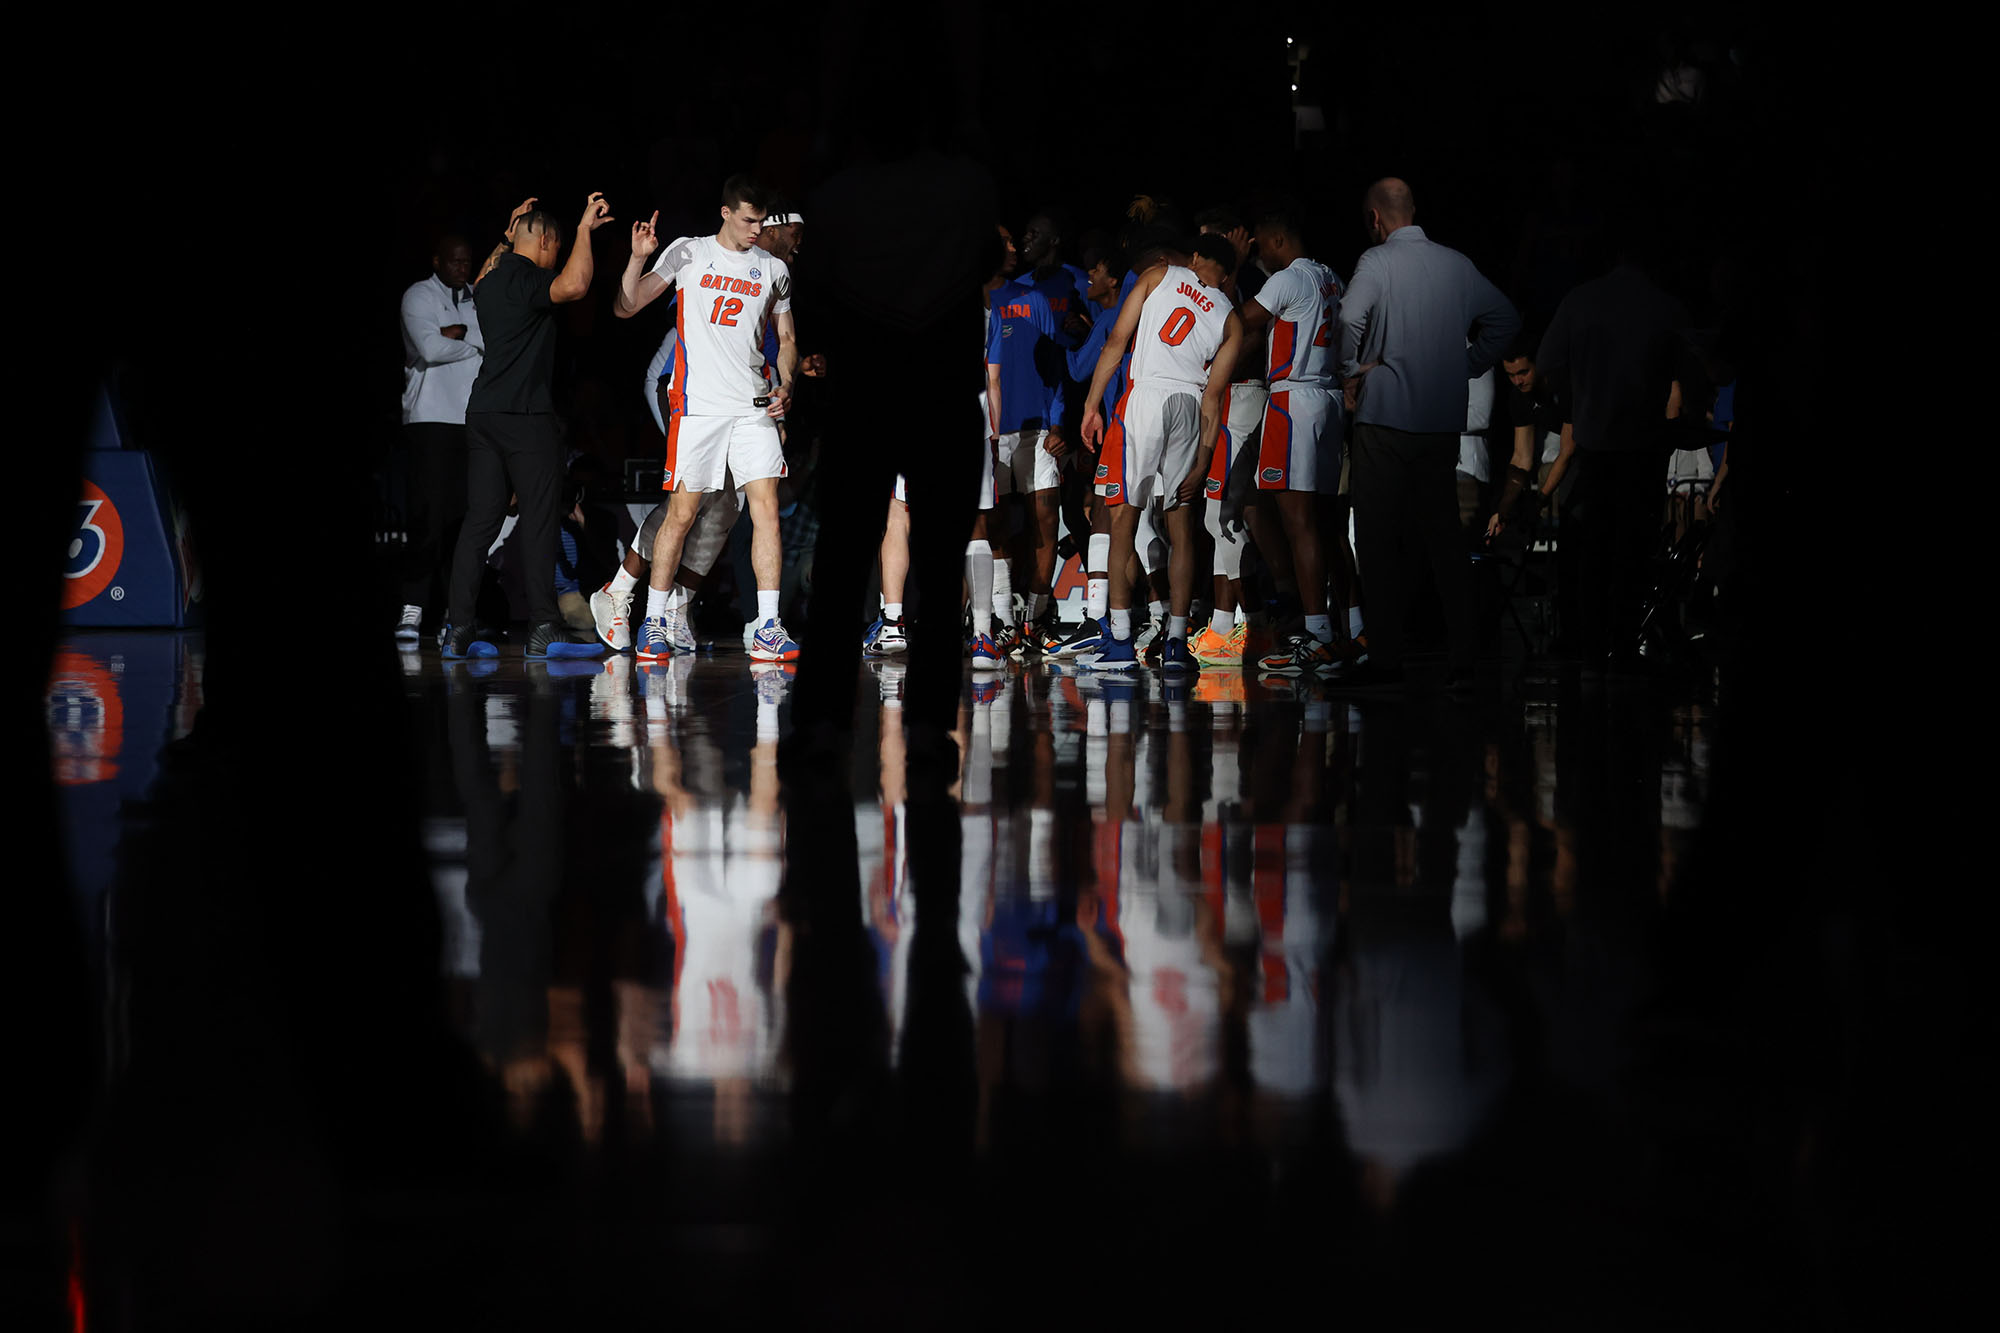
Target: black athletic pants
(436,509)
(1405,493)
(934,442)
(1611,522)
(518,453)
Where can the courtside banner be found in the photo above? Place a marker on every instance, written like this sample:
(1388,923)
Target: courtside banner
(128,562)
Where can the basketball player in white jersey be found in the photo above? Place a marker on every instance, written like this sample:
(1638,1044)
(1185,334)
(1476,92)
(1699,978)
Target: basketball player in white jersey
(725,409)
(611,605)
(1299,453)
(1187,337)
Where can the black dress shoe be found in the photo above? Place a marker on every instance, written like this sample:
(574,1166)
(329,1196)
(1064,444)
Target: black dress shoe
(1366,676)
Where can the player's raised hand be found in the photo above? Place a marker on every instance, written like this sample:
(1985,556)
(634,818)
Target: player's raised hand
(1093,427)
(595,213)
(646,236)
(526,206)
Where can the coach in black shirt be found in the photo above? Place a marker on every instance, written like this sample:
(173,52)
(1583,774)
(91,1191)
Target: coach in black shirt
(510,424)
(1615,346)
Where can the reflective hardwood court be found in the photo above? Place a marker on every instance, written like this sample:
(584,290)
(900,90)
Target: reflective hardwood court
(1166,1003)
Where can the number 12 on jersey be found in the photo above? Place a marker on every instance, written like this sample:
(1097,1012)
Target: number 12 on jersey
(727,308)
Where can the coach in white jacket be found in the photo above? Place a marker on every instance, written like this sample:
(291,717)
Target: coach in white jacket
(442,349)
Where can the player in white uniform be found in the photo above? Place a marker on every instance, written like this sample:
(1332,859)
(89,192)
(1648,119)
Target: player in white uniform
(611,605)
(1299,454)
(1188,336)
(725,408)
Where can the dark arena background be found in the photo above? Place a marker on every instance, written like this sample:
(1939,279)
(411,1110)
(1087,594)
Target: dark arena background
(353,987)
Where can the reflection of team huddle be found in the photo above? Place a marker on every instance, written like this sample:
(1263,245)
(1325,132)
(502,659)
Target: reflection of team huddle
(1149,952)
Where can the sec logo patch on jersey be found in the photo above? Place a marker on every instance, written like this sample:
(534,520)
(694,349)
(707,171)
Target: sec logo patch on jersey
(95,549)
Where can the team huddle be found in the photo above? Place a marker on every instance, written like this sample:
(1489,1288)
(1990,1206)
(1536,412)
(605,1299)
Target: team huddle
(1165,376)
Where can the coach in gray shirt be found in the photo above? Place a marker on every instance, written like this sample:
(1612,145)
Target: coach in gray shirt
(1416,325)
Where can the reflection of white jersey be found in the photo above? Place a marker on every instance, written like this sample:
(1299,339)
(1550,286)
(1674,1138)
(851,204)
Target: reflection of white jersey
(1180,328)
(1284,1020)
(1176,1002)
(722,872)
(724,297)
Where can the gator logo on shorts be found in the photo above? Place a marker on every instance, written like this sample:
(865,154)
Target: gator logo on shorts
(1272,474)
(1111,491)
(667,479)
(1103,471)
(1214,487)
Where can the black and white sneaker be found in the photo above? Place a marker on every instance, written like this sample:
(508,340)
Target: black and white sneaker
(410,627)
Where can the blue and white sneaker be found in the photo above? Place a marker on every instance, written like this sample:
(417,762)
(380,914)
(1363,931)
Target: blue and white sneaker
(1116,655)
(868,636)
(772,644)
(653,642)
(1087,638)
(680,634)
(986,654)
(1176,659)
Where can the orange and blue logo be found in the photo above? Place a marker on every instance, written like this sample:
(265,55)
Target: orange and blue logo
(96,548)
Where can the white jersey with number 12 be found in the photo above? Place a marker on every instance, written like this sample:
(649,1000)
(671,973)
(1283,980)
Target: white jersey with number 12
(725,296)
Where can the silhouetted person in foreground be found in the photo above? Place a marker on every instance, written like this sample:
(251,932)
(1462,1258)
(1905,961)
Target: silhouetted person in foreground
(1615,343)
(911,327)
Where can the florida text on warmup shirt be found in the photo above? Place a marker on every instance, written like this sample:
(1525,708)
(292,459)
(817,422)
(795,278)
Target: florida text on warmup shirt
(723,299)
(1180,329)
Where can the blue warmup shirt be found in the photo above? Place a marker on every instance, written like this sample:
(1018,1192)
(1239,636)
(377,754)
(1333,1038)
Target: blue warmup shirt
(1083,361)
(1021,323)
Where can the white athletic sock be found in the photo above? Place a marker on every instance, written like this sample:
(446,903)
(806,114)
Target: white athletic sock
(678,597)
(979,573)
(767,604)
(622,583)
(1096,597)
(1177,628)
(1003,592)
(1154,610)
(656,602)
(892,610)
(1320,627)
(1121,624)
(1097,554)
(1221,622)
(1353,622)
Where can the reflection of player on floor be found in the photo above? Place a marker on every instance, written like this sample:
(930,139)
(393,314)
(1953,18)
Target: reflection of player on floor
(1187,339)
(715,426)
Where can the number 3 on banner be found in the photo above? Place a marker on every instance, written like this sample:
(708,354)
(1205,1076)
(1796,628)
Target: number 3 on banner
(1179,324)
(726,310)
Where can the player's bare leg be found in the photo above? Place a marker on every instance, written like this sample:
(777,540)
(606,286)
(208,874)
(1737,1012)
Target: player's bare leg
(767,564)
(1298,511)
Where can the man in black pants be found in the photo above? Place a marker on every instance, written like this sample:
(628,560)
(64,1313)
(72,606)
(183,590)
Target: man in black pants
(920,333)
(510,424)
(441,352)
(1417,324)
(1616,343)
